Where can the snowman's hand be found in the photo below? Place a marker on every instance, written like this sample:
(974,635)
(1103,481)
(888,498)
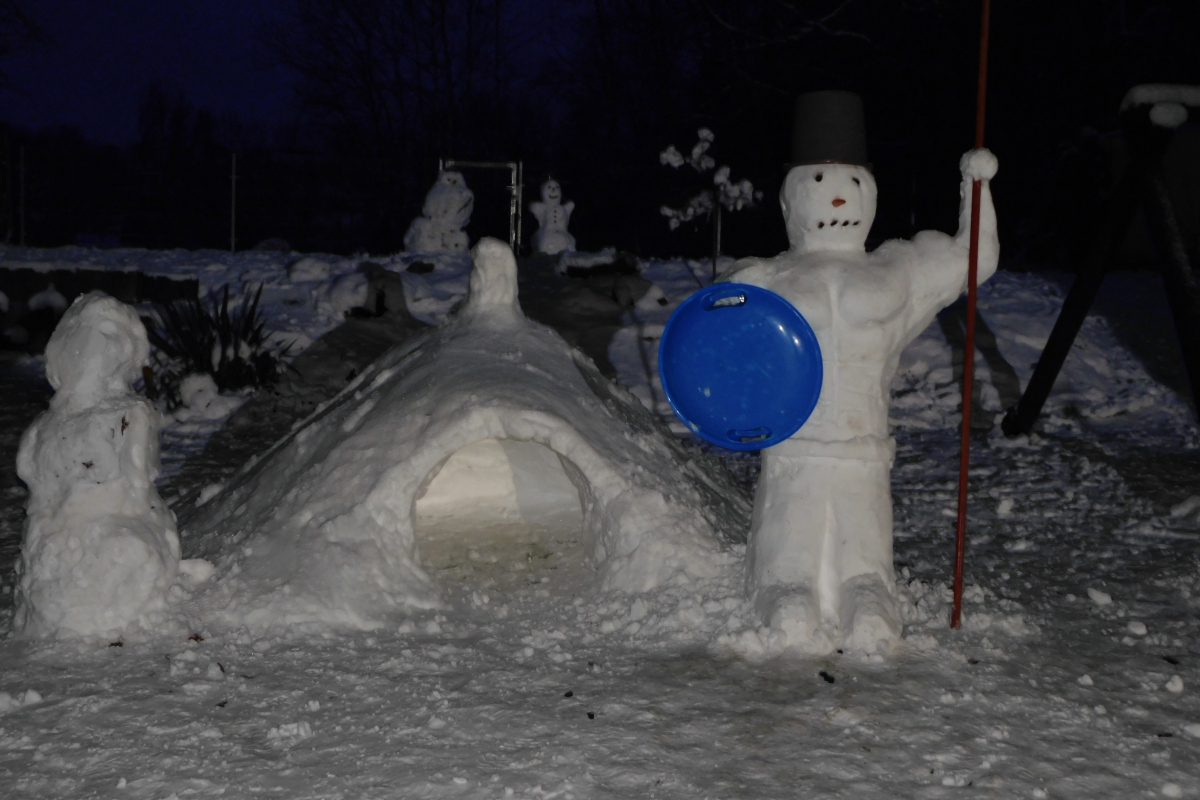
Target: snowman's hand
(979,165)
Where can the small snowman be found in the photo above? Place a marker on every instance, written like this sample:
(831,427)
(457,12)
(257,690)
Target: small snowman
(553,216)
(819,557)
(446,212)
(100,549)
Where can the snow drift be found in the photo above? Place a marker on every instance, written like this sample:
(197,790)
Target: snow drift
(321,528)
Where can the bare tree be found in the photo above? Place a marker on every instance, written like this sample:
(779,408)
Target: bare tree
(404,79)
(17,29)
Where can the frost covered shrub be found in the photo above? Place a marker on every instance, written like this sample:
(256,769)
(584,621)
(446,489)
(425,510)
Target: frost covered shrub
(231,346)
(732,196)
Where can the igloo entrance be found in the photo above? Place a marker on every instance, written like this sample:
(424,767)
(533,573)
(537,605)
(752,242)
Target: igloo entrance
(499,513)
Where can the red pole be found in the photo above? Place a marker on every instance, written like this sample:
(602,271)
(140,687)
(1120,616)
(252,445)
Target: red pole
(969,350)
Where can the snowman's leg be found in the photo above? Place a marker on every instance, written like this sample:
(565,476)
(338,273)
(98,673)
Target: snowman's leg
(869,613)
(791,524)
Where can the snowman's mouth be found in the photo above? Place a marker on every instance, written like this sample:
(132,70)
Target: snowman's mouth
(838,223)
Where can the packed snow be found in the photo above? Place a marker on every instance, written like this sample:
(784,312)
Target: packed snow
(1073,675)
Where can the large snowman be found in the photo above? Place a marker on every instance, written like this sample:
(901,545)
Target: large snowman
(100,550)
(447,210)
(819,562)
(553,216)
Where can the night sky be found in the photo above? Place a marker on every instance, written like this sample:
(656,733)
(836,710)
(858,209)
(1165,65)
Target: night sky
(100,57)
(589,91)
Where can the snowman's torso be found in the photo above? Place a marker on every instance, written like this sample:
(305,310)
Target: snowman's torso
(858,306)
(553,218)
(78,455)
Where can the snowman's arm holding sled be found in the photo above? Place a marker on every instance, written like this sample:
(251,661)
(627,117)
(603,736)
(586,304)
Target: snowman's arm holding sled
(939,264)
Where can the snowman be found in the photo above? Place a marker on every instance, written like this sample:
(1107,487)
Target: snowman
(819,560)
(446,212)
(553,216)
(100,549)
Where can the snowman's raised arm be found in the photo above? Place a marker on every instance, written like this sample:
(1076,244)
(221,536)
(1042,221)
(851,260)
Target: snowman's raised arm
(538,209)
(939,262)
(979,165)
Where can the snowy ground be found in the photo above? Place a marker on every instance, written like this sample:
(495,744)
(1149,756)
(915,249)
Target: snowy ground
(1076,674)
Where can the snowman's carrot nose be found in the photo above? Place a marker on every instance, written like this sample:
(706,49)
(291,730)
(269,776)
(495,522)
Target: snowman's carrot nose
(837,201)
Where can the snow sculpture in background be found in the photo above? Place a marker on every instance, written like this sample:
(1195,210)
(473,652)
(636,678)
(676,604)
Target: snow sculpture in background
(447,211)
(819,561)
(100,549)
(553,216)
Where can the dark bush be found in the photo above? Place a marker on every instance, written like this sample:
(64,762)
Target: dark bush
(232,346)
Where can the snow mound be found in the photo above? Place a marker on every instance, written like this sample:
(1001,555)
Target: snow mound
(321,528)
(201,400)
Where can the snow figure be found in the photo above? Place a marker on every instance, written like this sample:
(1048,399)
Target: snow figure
(819,561)
(100,548)
(447,211)
(327,529)
(553,216)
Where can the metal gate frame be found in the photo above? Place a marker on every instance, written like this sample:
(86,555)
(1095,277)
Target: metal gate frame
(516,191)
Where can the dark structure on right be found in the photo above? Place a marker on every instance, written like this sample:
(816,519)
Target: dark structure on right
(1150,114)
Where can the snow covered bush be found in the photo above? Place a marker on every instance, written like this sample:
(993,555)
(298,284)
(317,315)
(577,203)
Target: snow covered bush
(233,347)
(732,196)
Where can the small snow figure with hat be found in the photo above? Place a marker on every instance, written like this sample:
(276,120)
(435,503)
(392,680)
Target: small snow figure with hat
(819,562)
(553,216)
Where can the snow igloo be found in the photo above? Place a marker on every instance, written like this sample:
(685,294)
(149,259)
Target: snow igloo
(487,423)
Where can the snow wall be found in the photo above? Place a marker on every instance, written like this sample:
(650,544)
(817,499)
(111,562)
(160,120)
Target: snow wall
(321,528)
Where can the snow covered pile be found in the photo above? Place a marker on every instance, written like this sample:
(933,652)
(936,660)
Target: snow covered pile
(100,549)
(321,529)
(201,400)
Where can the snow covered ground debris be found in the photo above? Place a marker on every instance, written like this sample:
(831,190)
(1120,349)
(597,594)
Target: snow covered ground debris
(1075,674)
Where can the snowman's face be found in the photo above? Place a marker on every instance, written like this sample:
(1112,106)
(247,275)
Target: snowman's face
(828,206)
(451,179)
(551,192)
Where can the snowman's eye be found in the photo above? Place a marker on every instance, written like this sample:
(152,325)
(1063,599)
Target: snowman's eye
(819,176)
(856,182)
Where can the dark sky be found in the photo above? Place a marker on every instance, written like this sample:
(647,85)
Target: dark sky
(101,55)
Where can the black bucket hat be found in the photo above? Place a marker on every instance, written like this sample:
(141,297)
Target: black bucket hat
(829,129)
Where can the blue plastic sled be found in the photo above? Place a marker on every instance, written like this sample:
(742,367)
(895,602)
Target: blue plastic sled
(740,366)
